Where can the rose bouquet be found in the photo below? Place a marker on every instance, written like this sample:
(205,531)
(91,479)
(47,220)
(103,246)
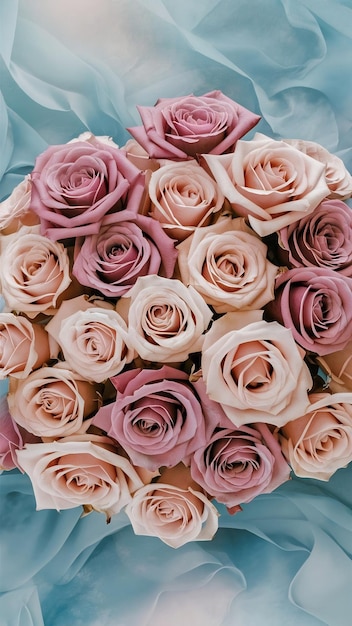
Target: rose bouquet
(177,326)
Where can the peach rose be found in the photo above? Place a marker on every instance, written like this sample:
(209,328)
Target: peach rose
(166,319)
(53,401)
(319,442)
(24,346)
(79,471)
(338,366)
(174,509)
(183,197)
(227,264)
(15,210)
(255,370)
(269,182)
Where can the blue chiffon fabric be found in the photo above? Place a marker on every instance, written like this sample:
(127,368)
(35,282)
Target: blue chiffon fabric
(66,67)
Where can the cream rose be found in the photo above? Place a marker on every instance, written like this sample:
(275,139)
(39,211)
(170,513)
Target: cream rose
(34,272)
(269,182)
(255,370)
(53,401)
(166,319)
(82,470)
(227,264)
(92,337)
(319,443)
(174,509)
(15,210)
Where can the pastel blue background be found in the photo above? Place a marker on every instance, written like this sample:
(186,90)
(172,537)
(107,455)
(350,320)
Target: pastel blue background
(74,65)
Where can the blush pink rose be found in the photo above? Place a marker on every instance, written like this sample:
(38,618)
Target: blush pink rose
(34,272)
(53,401)
(338,367)
(75,184)
(183,197)
(315,303)
(179,127)
(112,260)
(157,416)
(166,319)
(24,346)
(10,438)
(236,465)
(227,264)
(84,470)
(255,370)
(174,509)
(323,238)
(269,182)
(15,210)
(319,443)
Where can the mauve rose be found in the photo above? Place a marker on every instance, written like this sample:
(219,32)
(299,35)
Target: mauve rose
(236,465)
(338,367)
(174,509)
(10,438)
(269,182)
(122,250)
(319,443)
(316,305)
(81,470)
(323,238)
(338,179)
(75,184)
(255,370)
(183,197)
(15,210)
(92,337)
(179,127)
(157,416)
(53,401)
(24,346)
(166,319)
(227,264)
(34,272)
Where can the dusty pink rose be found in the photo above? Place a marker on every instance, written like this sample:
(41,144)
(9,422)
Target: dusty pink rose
(15,210)
(319,443)
(227,264)
(174,509)
(10,438)
(34,272)
(166,319)
(122,250)
(269,182)
(183,197)
(179,127)
(316,305)
(24,346)
(338,179)
(81,470)
(157,416)
(53,401)
(238,464)
(255,370)
(75,184)
(338,367)
(323,238)
(92,337)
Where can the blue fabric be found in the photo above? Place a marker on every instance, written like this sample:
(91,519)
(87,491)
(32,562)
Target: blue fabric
(70,66)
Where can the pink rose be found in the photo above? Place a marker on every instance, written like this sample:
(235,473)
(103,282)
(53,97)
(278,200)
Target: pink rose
(238,464)
(269,182)
(139,157)
(34,272)
(74,185)
(166,319)
(10,438)
(227,264)
(174,509)
(183,197)
(23,346)
(53,402)
(15,210)
(320,442)
(323,238)
(112,260)
(179,127)
(338,366)
(316,304)
(81,470)
(92,337)
(255,370)
(157,417)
